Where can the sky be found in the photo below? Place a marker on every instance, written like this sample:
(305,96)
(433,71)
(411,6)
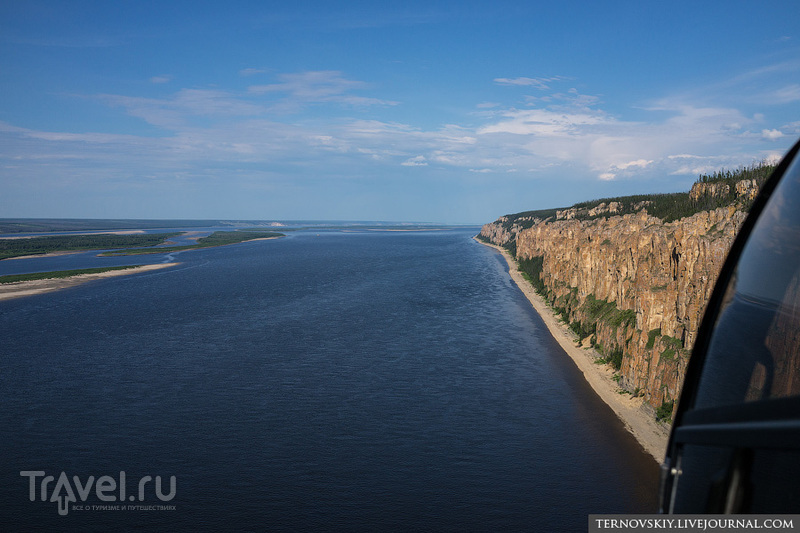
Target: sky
(421,111)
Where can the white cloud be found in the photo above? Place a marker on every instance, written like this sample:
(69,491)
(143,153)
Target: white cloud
(568,136)
(792,127)
(545,122)
(161,79)
(773,158)
(693,170)
(641,163)
(418,161)
(784,95)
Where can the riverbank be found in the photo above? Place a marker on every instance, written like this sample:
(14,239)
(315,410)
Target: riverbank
(634,413)
(39,286)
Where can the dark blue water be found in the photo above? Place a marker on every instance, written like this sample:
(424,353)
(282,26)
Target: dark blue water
(362,381)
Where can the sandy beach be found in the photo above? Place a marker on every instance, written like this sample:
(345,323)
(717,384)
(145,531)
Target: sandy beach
(637,417)
(39,286)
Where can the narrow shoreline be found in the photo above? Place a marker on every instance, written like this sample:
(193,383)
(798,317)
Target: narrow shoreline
(188,248)
(48,254)
(20,289)
(121,232)
(633,412)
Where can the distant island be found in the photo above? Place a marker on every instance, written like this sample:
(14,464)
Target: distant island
(11,247)
(145,243)
(218,238)
(95,225)
(122,243)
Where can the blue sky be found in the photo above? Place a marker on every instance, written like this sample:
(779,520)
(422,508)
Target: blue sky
(453,112)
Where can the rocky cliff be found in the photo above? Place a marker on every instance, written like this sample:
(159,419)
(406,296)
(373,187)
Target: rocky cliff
(630,284)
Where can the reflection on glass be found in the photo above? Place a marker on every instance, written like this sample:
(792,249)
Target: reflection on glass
(754,353)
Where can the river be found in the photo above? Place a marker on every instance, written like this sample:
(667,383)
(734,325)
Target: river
(328,380)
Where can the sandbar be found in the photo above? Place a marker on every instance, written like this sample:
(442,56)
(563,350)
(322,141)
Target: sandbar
(29,288)
(638,417)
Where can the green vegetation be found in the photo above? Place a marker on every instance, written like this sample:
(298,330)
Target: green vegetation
(593,310)
(218,238)
(602,310)
(527,219)
(614,358)
(757,171)
(70,243)
(651,338)
(668,206)
(46,225)
(582,330)
(664,412)
(60,274)
(221,238)
(532,269)
(673,346)
(674,206)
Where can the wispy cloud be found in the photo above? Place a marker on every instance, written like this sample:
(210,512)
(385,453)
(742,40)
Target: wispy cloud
(772,134)
(214,131)
(784,95)
(762,86)
(545,122)
(417,161)
(161,79)
(176,111)
(317,87)
(252,71)
(537,83)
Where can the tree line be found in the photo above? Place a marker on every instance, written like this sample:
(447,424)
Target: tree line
(67,243)
(667,206)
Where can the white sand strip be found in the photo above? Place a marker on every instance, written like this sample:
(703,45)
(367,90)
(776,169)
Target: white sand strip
(637,417)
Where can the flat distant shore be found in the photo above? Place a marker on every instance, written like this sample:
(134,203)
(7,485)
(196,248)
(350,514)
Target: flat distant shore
(121,232)
(29,288)
(637,417)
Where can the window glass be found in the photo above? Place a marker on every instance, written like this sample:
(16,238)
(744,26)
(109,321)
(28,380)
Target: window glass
(754,352)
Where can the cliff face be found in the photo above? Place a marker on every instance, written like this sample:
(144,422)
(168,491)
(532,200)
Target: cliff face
(632,285)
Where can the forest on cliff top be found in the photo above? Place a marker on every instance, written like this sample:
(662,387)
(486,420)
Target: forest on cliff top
(666,206)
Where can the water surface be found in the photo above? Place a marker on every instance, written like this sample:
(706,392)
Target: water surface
(335,380)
